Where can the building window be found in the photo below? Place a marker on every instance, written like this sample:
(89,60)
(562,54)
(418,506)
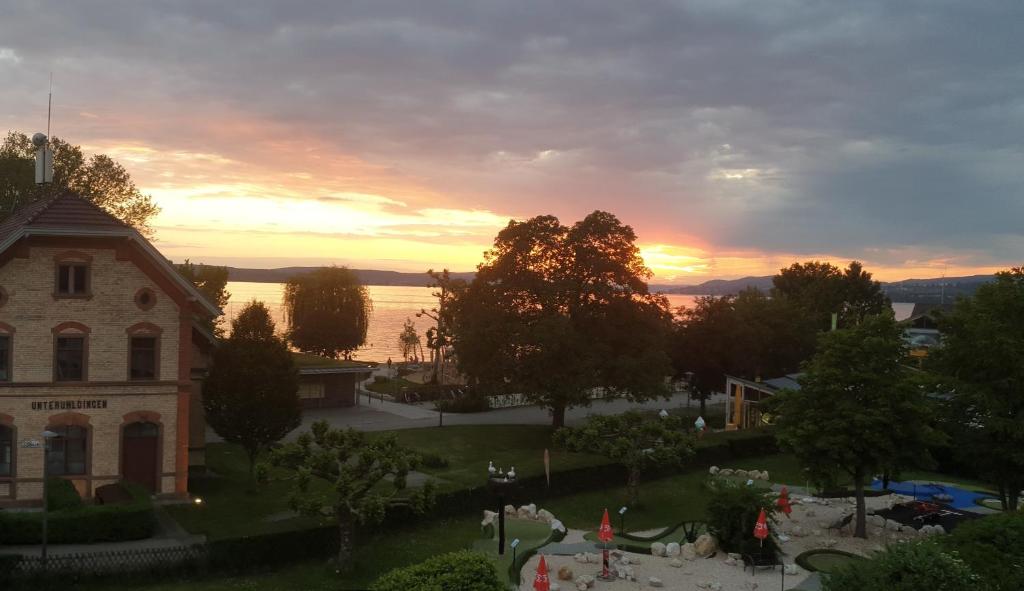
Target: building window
(67,451)
(69,364)
(72,279)
(311,390)
(142,360)
(5,357)
(6,451)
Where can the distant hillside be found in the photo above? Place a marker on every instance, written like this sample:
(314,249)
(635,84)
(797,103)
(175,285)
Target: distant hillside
(366,276)
(924,291)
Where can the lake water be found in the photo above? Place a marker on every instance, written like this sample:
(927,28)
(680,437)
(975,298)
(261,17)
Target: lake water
(391,306)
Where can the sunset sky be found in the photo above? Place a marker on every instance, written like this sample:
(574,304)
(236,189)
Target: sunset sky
(735,137)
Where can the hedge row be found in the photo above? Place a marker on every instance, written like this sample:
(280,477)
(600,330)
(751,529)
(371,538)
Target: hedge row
(133,520)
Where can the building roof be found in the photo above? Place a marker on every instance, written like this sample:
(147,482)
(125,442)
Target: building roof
(786,382)
(310,364)
(67,214)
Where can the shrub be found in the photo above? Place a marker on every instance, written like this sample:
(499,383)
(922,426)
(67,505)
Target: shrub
(61,494)
(912,566)
(433,460)
(733,509)
(456,571)
(380,379)
(132,520)
(993,547)
(463,403)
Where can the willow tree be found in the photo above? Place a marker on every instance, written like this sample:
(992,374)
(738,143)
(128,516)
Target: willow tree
(328,312)
(563,314)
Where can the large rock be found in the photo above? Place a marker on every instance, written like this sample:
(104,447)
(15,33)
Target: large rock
(672,549)
(876,520)
(655,582)
(713,470)
(586,580)
(705,545)
(792,569)
(510,510)
(675,563)
(657,549)
(687,551)
(565,574)
(489,518)
(545,516)
(892,525)
(740,473)
(726,472)
(764,475)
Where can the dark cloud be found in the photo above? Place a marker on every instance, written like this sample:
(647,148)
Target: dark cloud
(796,126)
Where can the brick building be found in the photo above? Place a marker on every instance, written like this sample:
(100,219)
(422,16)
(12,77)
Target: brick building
(100,344)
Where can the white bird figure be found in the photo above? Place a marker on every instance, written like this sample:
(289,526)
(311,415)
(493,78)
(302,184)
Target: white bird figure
(490,468)
(663,414)
(512,472)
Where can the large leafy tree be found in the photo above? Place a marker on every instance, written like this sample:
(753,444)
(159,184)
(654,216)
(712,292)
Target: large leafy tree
(251,394)
(858,410)
(98,178)
(749,336)
(212,282)
(364,476)
(558,312)
(635,440)
(328,311)
(409,340)
(440,337)
(982,362)
(822,289)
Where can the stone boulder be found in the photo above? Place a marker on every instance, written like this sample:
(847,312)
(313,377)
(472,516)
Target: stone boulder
(741,473)
(510,510)
(586,580)
(713,470)
(565,574)
(726,472)
(657,549)
(489,518)
(672,549)
(545,516)
(687,551)
(792,569)
(655,582)
(675,563)
(705,545)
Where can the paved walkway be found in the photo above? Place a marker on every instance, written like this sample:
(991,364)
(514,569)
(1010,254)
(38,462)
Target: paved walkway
(374,414)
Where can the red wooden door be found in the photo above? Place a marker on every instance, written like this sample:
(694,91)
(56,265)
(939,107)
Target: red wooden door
(139,454)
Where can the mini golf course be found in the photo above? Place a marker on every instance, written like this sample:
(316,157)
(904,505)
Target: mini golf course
(954,496)
(826,560)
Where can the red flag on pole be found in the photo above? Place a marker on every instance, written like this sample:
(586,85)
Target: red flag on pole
(783,501)
(547,466)
(541,581)
(761,528)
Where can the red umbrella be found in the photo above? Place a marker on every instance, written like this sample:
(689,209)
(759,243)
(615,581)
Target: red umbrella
(604,533)
(761,527)
(541,581)
(783,501)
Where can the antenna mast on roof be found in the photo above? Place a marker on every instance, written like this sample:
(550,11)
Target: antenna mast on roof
(44,156)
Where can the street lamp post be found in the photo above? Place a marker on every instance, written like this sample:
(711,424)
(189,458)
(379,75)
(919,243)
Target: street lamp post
(47,437)
(502,485)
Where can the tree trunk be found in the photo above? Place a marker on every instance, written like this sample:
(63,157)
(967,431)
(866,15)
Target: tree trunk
(704,407)
(634,487)
(1013,496)
(861,528)
(346,539)
(558,416)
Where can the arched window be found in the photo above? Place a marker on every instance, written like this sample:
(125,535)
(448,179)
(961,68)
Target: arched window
(68,451)
(6,451)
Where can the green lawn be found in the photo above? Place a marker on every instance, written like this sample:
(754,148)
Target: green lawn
(392,386)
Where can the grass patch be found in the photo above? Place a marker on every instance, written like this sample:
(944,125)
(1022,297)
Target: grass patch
(531,535)
(393,386)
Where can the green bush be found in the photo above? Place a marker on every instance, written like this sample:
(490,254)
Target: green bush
(133,520)
(455,571)
(380,379)
(993,547)
(242,554)
(463,404)
(733,509)
(911,566)
(61,494)
(433,460)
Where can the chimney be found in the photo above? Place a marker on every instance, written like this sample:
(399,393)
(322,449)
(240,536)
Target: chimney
(44,159)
